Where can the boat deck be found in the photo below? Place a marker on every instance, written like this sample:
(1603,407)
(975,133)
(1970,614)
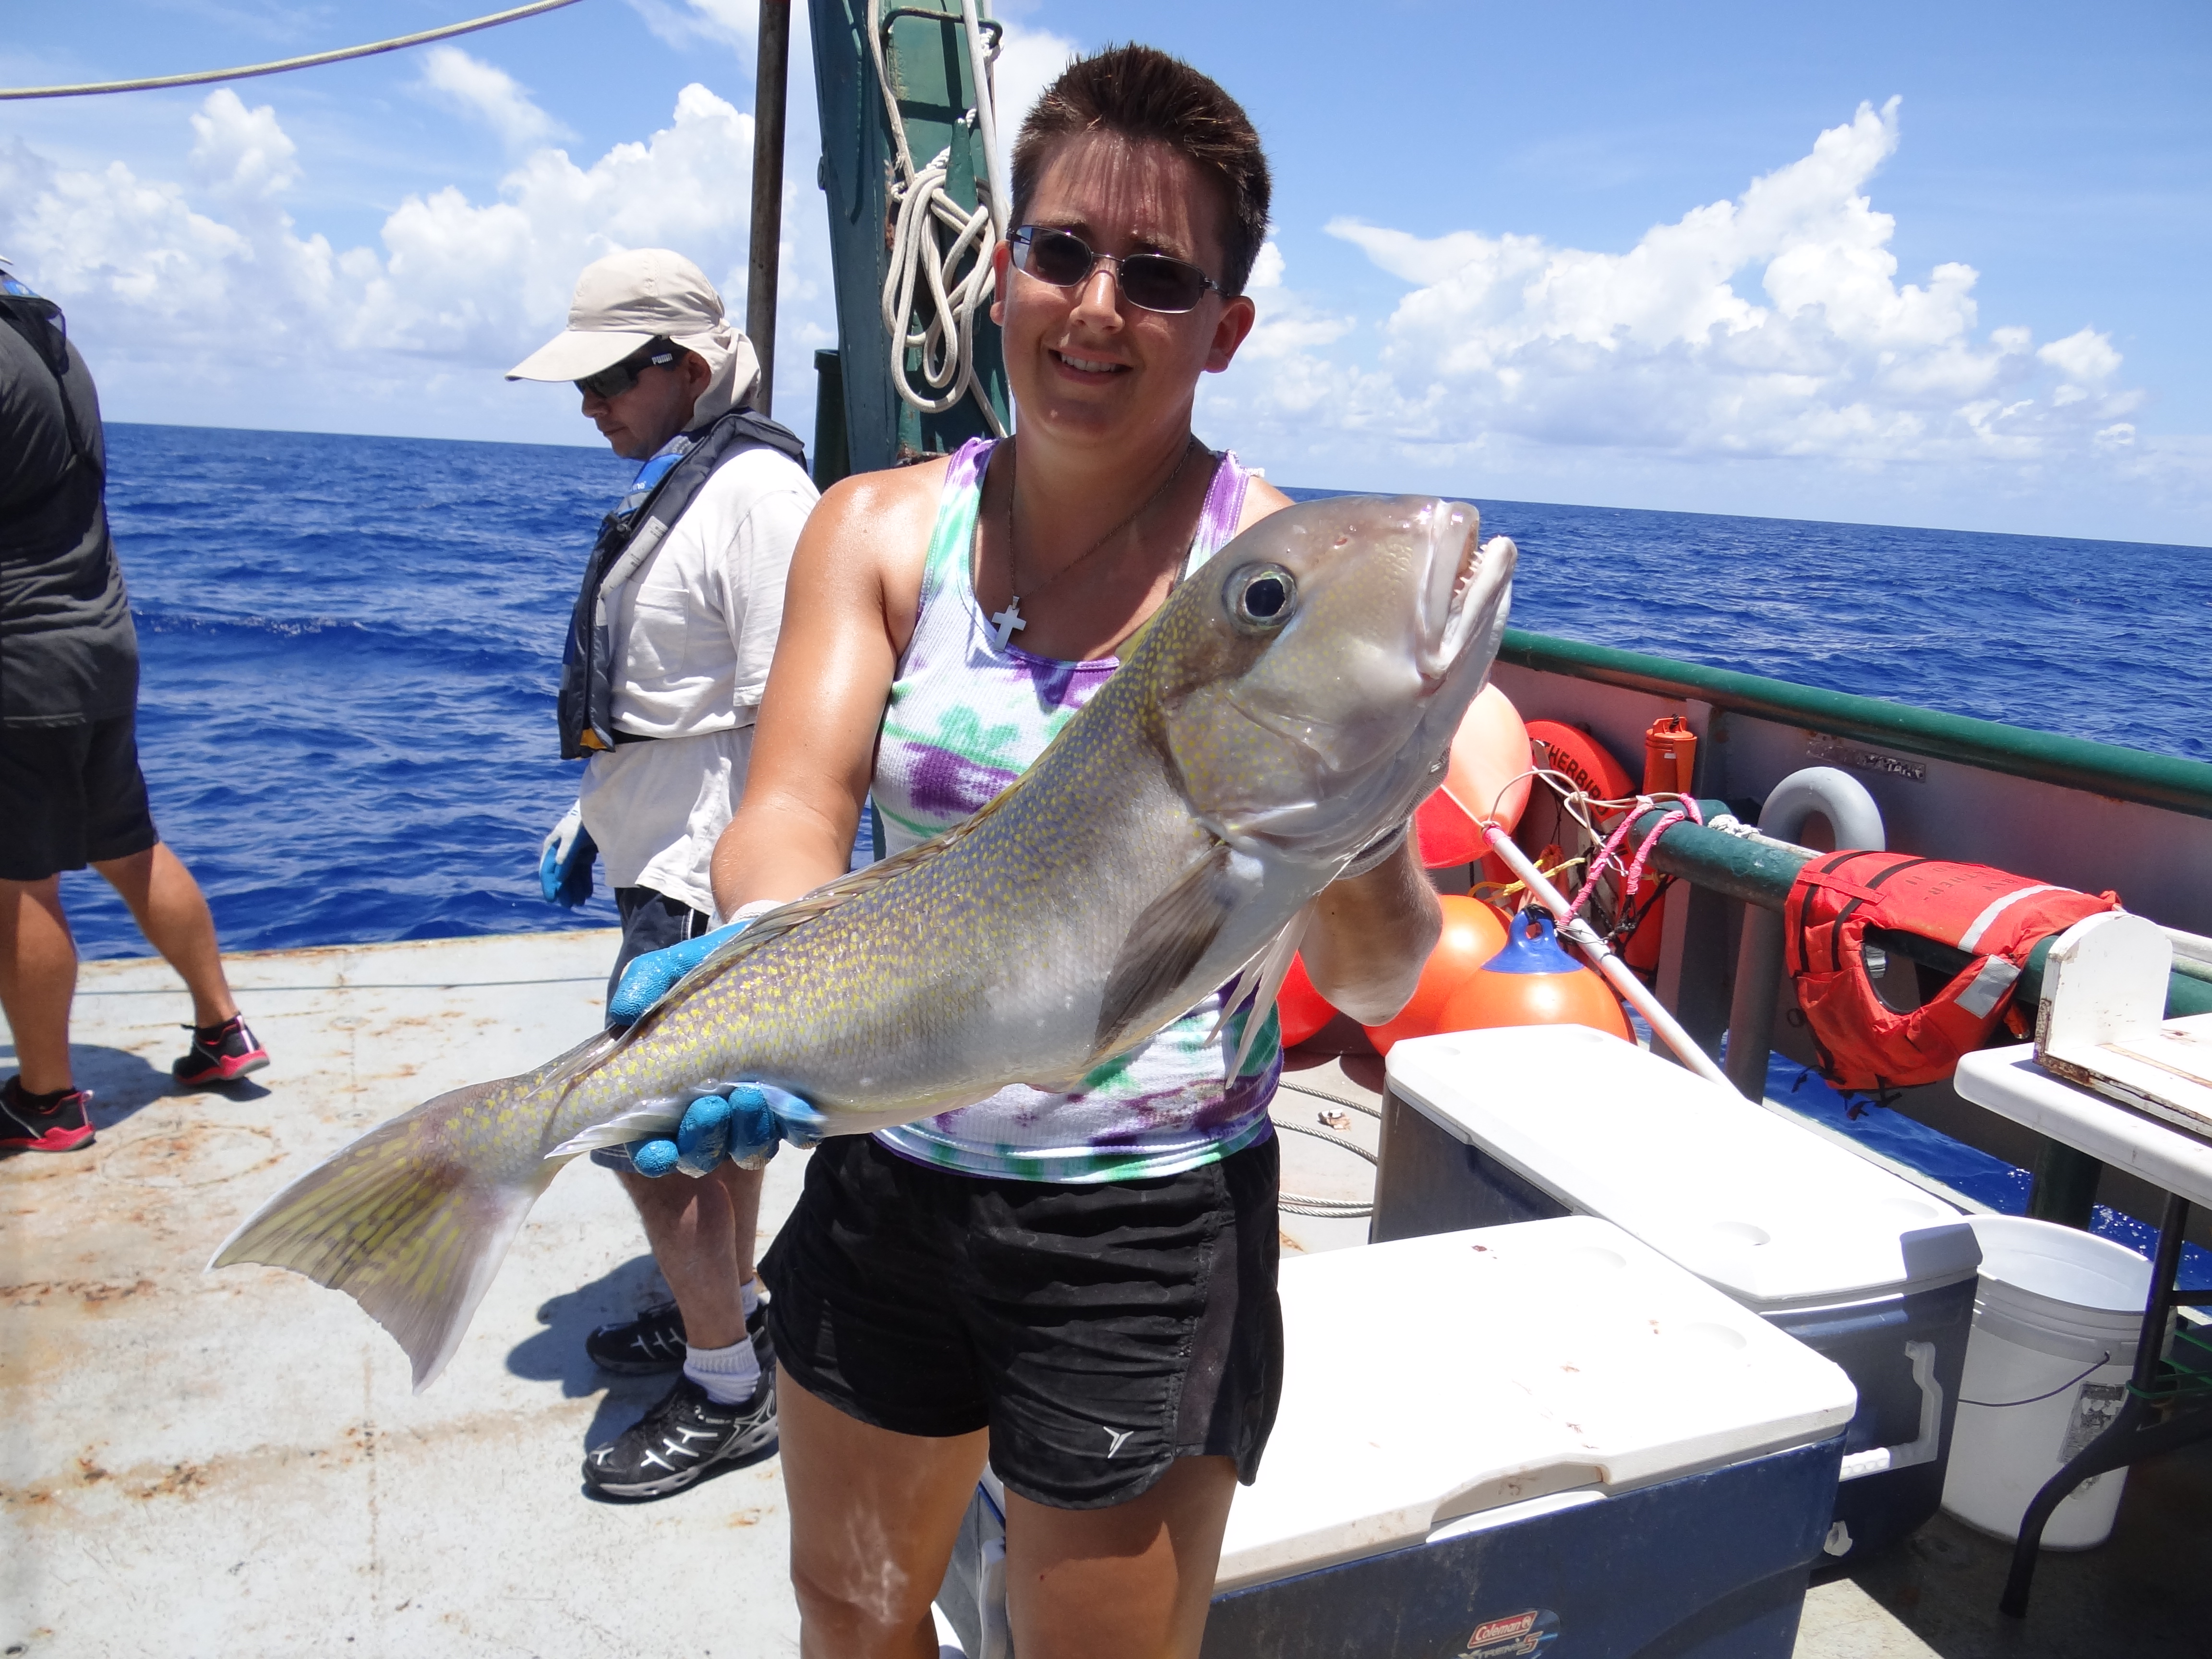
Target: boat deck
(233,1463)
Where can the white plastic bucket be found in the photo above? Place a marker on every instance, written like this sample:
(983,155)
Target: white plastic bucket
(2056,1322)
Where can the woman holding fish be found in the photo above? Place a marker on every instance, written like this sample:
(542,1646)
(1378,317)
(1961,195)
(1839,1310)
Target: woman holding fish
(1043,1224)
(1078,1277)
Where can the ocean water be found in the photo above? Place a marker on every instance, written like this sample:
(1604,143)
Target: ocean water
(350,649)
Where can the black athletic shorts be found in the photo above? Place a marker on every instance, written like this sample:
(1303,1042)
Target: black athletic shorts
(1098,1331)
(69,796)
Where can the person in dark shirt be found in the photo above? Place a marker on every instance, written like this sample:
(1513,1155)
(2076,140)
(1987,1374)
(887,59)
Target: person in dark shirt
(70,791)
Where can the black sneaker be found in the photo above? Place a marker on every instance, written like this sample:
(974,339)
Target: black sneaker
(46,1123)
(680,1439)
(221,1052)
(653,1342)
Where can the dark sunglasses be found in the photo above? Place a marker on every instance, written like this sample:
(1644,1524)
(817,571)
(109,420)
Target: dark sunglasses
(1150,281)
(613,382)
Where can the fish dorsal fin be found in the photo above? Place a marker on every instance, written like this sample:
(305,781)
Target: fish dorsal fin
(1165,943)
(766,929)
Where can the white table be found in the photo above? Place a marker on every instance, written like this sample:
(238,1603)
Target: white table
(2009,1083)
(2156,1416)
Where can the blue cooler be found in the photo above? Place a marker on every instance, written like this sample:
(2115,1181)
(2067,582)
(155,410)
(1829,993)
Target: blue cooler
(1483,1128)
(1493,1441)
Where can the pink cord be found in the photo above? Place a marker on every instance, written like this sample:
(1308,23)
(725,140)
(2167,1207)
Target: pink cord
(1689,809)
(1597,865)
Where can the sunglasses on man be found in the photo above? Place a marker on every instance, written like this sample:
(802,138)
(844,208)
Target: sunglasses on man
(1150,282)
(613,382)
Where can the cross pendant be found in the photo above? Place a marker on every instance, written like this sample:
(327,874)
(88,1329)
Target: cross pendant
(1006,621)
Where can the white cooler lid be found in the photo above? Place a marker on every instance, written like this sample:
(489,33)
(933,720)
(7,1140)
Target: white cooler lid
(1434,1379)
(1774,1216)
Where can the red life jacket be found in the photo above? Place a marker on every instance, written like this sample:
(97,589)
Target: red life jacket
(1995,917)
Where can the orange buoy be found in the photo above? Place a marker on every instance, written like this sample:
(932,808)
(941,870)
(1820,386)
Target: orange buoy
(1473,934)
(1300,1011)
(1487,776)
(1532,981)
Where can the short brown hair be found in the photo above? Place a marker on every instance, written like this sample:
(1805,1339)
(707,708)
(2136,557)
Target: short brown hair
(1141,93)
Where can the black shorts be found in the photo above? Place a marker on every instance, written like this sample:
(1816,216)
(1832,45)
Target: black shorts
(1098,1331)
(71,796)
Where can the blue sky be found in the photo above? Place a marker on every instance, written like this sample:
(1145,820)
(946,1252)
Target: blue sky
(1518,251)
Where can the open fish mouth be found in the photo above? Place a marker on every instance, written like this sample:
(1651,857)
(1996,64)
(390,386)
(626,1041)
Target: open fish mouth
(1449,617)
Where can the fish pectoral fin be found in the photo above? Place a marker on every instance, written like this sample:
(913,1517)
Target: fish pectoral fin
(1166,942)
(635,1124)
(402,1222)
(1275,966)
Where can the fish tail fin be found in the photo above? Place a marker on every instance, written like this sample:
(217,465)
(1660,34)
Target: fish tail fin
(403,1222)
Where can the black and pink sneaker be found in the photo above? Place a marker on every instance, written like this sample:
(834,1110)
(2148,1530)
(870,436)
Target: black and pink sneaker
(221,1054)
(43,1123)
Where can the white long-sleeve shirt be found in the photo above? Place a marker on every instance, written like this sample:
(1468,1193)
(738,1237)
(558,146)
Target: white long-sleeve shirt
(696,628)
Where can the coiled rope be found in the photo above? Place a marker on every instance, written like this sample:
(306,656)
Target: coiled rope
(1327,1208)
(201,77)
(954,276)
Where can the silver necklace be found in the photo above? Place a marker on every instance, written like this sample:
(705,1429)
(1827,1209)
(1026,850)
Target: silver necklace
(1006,621)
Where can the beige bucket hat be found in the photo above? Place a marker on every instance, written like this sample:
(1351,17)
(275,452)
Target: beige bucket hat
(645,293)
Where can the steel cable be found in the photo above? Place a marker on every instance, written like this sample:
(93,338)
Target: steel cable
(201,77)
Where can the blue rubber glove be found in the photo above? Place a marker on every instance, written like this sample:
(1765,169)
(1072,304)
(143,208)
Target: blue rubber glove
(745,1126)
(565,863)
(650,977)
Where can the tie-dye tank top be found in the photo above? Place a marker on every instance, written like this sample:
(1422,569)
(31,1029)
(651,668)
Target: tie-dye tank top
(966,718)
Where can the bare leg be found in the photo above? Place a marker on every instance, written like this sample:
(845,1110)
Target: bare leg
(702,1233)
(38,980)
(168,907)
(1132,1582)
(874,1517)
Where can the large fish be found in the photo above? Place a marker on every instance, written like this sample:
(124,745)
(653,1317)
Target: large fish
(1290,704)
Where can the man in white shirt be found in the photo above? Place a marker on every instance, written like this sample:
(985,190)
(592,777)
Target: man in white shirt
(667,653)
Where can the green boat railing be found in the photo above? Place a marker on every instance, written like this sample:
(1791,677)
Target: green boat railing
(2104,769)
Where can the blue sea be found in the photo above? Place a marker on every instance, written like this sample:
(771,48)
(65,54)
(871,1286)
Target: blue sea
(351,646)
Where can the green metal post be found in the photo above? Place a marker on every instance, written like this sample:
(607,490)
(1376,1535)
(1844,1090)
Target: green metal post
(928,60)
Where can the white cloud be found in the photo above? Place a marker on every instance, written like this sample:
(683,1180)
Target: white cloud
(239,153)
(179,298)
(1772,325)
(488,93)
(734,24)
(2083,356)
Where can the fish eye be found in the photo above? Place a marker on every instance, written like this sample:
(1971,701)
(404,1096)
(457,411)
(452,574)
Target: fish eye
(1261,597)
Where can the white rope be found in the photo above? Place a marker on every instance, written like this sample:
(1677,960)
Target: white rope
(921,258)
(201,77)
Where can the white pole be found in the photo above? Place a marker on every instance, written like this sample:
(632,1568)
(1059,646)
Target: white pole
(1633,990)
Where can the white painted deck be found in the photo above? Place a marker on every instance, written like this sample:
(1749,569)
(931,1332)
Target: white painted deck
(233,1463)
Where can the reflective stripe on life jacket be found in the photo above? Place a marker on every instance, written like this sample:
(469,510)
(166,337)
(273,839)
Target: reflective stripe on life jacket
(1998,918)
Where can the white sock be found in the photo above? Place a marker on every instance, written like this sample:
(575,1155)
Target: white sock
(748,1294)
(730,1376)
